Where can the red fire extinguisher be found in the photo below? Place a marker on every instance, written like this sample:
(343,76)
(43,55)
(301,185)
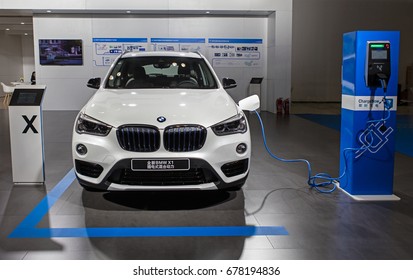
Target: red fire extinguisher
(279,104)
(286,106)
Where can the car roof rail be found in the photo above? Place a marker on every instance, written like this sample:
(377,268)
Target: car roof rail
(197,52)
(125,52)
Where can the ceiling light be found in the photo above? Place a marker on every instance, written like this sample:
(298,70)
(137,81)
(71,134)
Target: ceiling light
(48,11)
(128,12)
(7,29)
(21,22)
(207,12)
(25,34)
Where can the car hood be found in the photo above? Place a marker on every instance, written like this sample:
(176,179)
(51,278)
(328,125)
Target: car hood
(177,106)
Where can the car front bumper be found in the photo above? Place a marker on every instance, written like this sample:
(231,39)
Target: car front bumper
(107,166)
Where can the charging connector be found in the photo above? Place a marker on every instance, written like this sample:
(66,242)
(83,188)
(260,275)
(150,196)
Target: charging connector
(383,81)
(382,78)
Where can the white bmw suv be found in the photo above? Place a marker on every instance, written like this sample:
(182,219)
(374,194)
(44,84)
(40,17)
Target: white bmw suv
(162,121)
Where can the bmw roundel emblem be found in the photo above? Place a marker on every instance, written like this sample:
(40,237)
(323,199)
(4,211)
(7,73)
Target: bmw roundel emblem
(161,119)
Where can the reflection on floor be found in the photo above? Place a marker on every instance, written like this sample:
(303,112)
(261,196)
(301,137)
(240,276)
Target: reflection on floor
(320,226)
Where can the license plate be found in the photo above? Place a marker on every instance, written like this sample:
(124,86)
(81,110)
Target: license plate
(160,164)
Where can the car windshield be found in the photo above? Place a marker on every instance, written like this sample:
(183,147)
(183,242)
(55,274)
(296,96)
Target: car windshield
(161,72)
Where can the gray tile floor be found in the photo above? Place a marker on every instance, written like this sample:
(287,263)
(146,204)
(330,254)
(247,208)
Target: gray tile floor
(320,226)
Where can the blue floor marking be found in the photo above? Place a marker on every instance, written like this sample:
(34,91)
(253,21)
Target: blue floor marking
(148,232)
(27,228)
(44,206)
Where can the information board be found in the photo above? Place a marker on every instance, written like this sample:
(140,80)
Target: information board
(107,49)
(178,44)
(230,52)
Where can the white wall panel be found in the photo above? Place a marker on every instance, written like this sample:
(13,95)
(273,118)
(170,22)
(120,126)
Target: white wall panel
(283,28)
(268,98)
(66,85)
(127,5)
(64,28)
(43,4)
(229,5)
(209,5)
(129,27)
(278,83)
(271,5)
(271,30)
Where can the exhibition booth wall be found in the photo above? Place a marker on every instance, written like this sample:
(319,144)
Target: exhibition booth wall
(260,29)
(102,38)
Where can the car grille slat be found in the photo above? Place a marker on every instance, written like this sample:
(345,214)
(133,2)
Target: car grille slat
(138,138)
(186,138)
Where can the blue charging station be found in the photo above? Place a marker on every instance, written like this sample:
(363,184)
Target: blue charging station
(368,113)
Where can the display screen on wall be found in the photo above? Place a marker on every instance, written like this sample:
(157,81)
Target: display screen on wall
(60,52)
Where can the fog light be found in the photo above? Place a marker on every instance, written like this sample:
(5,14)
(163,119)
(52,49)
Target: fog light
(241,148)
(81,149)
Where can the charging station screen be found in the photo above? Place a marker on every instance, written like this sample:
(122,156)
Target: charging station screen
(379,54)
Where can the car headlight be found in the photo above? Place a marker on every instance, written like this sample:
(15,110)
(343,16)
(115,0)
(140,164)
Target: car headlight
(236,124)
(89,125)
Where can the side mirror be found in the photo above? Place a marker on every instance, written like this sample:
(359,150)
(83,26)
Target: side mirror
(250,103)
(228,83)
(94,83)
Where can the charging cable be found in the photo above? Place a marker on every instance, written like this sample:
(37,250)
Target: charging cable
(386,102)
(322,182)
(313,181)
